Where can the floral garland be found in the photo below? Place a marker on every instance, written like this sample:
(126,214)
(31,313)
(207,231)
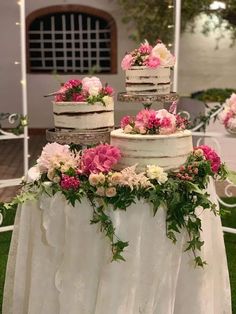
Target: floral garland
(228,115)
(89,90)
(89,173)
(151,57)
(149,121)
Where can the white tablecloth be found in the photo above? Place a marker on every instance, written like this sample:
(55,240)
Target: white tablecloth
(60,264)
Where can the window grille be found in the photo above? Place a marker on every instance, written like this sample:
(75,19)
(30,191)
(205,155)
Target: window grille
(70,42)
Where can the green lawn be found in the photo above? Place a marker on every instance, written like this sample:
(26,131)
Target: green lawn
(229,220)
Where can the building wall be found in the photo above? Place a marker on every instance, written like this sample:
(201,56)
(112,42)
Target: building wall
(201,65)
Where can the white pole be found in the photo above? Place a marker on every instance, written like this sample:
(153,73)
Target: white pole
(24,81)
(176,45)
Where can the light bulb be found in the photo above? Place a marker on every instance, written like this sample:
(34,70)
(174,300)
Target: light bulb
(17,62)
(170,26)
(17,23)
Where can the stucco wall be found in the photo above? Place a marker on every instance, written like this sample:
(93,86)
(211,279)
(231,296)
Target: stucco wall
(201,66)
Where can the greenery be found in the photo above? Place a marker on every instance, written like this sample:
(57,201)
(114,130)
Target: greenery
(213,95)
(20,120)
(151,18)
(180,193)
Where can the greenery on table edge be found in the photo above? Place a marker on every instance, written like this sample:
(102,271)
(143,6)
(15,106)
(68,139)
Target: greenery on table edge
(181,197)
(19,128)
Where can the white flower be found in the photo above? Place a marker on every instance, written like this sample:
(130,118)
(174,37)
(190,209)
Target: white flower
(132,179)
(128,129)
(33,174)
(88,82)
(198,152)
(93,90)
(156,172)
(108,100)
(110,192)
(166,58)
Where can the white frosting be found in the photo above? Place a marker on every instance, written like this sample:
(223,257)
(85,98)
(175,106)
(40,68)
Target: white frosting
(81,115)
(143,80)
(167,151)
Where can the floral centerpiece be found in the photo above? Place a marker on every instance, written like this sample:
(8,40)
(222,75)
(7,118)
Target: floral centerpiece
(149,121)
(149,56)
(88,173)
(228,115)
(89,90)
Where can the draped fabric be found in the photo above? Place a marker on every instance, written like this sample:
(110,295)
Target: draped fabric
(61,264)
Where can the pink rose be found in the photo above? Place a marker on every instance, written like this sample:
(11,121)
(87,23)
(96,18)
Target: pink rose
(152,62)
(167,121)
(127,62)
(78,97)
(212,156)
(91,82)
(72,84)
(108,90)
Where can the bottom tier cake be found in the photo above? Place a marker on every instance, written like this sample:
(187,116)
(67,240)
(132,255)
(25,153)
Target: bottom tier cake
(167,151)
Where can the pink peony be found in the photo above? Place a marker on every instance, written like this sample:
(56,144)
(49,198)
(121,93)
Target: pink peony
(167,121)
(145,48)
(91,82)
(72,84)
(127,62)
(56,156)
(152,62)
(68,182)
(126,120)
(100,158)
(212,156)
(145,117)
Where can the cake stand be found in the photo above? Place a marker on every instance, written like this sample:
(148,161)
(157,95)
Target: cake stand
(83,138)
(147,100)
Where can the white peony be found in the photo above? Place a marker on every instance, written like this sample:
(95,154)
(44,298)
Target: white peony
(108,100)
(156,172)
(89,82)
(93,90)
(166,58)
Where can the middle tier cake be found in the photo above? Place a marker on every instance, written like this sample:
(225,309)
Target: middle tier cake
(152,138)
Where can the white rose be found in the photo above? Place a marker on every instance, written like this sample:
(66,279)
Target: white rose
(108,100)
(166,58)
(156,172)
(163,178)
(93,91)
(128,129)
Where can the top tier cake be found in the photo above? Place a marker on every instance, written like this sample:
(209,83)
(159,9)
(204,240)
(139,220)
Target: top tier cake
(84,105)
(147,69)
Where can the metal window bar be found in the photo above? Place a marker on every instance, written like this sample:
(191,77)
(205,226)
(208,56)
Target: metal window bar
(87,37)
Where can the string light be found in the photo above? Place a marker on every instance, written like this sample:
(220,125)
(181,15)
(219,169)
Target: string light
(22,82)
(170,45)
(17,23)
(16,62)
(170,26)
(170,6)
(19,2)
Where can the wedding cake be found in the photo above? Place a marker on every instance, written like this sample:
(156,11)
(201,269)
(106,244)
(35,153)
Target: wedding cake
(147,69)
(152,138)
(84,105)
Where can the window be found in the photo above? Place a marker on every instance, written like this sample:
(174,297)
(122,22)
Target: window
(71,39)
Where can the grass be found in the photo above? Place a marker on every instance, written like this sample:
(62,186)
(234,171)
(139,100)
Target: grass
(228,220)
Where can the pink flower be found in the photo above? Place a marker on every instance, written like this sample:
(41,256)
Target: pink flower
(108,90)
(91,82)
(126,120)
(181,122)
(68,182)
(152,62)
(212,156)
(233,98)
(144,117)
(61,95)
(127,62)
(100,158)
(78,97)
(167,121)
(145,48)
(72,84)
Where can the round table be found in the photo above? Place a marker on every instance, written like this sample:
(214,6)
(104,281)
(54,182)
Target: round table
(60,264)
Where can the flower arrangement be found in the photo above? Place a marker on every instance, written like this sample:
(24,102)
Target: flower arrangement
(149,121)
(89,90)
(88,173)
(228,115)
(149,56)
